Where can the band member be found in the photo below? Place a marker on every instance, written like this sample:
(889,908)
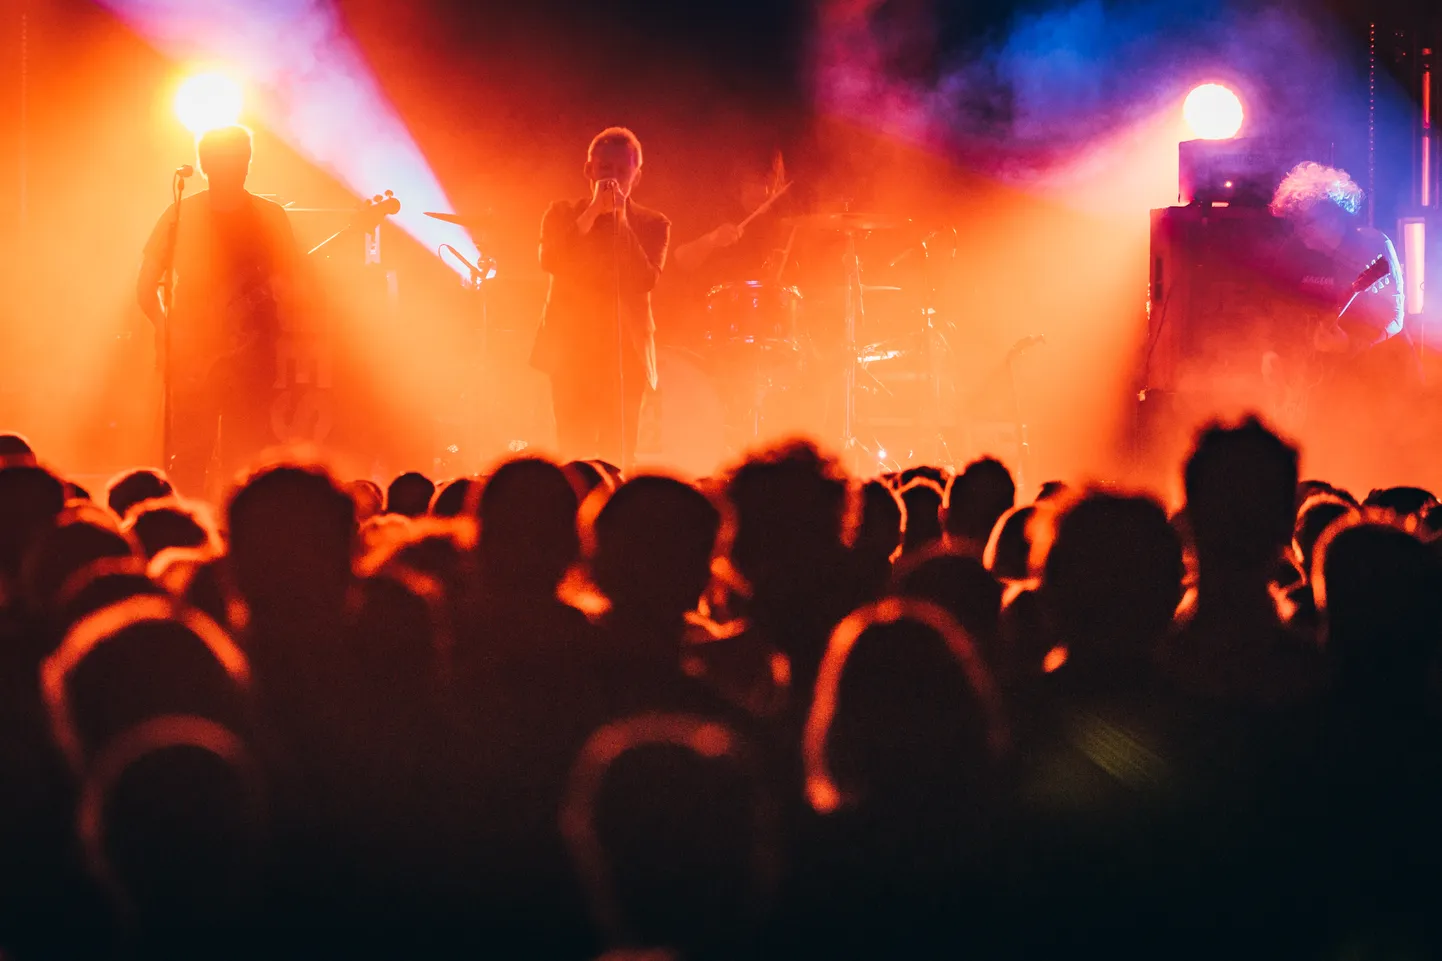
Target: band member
(1329,250)
(757,194)
(597,340)
(234,263)
(1347,365)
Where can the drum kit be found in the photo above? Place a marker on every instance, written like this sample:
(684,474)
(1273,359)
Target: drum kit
(776,357)
(775,362)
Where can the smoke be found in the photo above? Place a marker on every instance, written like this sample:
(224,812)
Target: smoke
(1045,135)
(317,93)
(1045,85)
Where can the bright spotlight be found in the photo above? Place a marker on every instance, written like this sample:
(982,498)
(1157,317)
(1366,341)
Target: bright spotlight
(319,96)
(1213,112)
(207,101)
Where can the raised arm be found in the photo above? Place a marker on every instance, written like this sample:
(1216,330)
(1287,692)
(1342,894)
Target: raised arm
(560,239)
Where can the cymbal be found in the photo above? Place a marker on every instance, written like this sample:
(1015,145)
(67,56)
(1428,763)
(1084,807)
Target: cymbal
(469,221)
(845,221)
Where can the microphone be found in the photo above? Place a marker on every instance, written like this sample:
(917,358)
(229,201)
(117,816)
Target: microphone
(184,171)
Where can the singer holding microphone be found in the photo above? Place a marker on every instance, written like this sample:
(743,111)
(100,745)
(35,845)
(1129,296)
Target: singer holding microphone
(597,340)
(232,259)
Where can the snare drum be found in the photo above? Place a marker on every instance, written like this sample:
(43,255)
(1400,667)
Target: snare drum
(753,313)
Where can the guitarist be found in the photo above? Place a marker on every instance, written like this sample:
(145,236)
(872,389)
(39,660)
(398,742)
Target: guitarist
(234,262)
(1347,359)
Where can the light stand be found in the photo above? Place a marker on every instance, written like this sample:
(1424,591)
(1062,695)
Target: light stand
(167,365)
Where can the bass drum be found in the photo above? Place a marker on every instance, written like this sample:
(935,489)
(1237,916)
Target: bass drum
(683,421)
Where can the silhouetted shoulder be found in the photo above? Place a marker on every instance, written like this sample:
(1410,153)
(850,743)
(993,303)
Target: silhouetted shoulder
(559,208)
(643,214)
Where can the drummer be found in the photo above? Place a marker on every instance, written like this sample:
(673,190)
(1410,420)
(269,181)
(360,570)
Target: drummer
(729,252)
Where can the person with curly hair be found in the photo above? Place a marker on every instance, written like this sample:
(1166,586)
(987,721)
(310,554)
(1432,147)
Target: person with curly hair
(1321,204)
(1348,360)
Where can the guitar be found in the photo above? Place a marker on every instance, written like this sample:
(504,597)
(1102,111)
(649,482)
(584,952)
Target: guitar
(253,308)
(1314,372)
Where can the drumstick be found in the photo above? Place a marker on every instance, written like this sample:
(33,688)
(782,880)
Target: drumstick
(765,205)
(786,254)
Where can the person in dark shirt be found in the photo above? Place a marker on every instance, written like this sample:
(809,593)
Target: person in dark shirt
(1346,367)
(1327,250)
(234,260)
(604,254)
(731,281)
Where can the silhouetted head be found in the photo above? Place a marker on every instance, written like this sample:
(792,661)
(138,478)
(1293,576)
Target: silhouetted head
(224,155)
(438,548)
(171,821)
(1240,483)
(143,658)
(672,835)
(452,496)
(31,498)
(923,498)
(790,507)
(80,536)
(1381,589)
(883,519)
(126,489)
(1008,553)
(101,584)
(291,534)
(528,533)
(171,522)
(936,475)
(958,584)
(369,499)
(1309,486)
(1318,513)
(1402,501)
(1113,578)
(202,580)
(1052,489)
(15,449)
(975,501)
(410,495)
(651,547)
(905,714)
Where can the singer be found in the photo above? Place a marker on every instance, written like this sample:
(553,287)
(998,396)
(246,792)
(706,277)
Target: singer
(234,262)
(597,339)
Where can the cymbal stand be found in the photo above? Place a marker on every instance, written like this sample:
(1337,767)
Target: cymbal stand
(477,426)
(854,311)
(1023,468)
(482,432)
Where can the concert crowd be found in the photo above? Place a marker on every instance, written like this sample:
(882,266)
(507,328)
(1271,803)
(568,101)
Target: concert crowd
(555,712)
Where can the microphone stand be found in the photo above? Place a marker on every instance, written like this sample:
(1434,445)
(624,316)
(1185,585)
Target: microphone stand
(617,208)
(167,367)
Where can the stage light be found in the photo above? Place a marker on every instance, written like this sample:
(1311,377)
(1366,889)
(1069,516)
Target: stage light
(1213,112)
(1414,264)
(207,101)
(314,89)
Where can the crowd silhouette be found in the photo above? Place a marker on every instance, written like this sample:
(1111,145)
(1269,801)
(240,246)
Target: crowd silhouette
(558,712)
